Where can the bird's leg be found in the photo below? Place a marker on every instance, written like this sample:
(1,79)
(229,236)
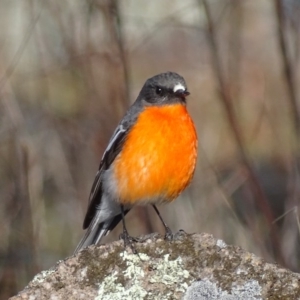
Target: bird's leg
(128,240)
(168,234)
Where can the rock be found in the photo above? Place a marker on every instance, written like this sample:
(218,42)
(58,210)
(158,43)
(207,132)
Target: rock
(190,267)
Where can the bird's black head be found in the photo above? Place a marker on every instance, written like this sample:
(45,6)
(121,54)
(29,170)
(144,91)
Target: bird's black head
(164,89)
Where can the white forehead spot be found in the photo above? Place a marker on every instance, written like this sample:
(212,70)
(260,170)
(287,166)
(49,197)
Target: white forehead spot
(178,86)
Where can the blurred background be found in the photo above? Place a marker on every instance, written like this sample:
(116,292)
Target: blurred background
(70,69)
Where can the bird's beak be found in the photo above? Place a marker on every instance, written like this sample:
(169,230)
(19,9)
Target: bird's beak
(182,93)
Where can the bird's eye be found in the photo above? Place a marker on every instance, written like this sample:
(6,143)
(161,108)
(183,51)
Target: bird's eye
(158,91)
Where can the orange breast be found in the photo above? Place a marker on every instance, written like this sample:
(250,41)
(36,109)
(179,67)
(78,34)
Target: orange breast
(158,158)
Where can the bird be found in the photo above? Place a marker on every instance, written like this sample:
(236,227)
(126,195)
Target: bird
(150,159)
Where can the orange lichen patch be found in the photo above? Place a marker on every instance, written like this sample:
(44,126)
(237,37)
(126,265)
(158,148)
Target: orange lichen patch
(159,156)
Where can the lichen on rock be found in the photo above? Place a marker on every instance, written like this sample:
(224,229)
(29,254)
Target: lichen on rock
(189,267)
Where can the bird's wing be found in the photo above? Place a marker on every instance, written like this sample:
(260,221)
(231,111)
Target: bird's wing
(113,149)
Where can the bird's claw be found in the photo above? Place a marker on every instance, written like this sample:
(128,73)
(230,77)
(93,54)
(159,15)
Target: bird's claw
(169,236)
(129,241)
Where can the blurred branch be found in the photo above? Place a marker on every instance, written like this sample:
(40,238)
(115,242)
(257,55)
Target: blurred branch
(287,65)
(226,100)
(118,66)
(16,58)
(289,78)
(227,189)
(234,61)
(20,256)
(166,21)
(119,34)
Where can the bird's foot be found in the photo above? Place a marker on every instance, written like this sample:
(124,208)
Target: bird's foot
(129,241)
(180,234)
(169,236)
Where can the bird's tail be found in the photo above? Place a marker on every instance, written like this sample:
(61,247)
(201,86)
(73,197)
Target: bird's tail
(96,231)
(93,235)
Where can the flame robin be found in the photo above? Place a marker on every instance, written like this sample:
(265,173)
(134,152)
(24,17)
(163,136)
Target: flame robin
(150,158)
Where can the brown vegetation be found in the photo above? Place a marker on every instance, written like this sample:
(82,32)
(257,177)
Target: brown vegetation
(70,69)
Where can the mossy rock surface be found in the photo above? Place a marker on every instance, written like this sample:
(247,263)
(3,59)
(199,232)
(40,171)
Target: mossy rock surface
(189,267)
